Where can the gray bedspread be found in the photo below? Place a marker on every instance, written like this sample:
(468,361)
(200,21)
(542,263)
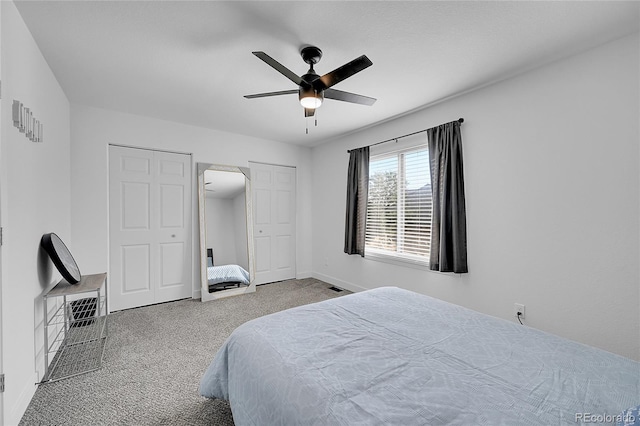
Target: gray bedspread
(393,357)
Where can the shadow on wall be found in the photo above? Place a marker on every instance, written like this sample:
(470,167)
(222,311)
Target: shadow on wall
(45,274)
(44,266)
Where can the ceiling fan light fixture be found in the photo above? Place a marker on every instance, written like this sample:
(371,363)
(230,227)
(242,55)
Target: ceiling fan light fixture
(310,98)
(311,86)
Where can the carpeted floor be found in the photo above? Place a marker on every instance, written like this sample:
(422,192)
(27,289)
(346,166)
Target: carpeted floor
(155,357)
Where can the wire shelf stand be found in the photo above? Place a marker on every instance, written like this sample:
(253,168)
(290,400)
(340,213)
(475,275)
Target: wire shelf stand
(75,333)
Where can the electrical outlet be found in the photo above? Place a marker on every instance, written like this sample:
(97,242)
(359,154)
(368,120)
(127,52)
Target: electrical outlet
(518,307)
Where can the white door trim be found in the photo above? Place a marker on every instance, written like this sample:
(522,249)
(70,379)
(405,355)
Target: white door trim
(1,300)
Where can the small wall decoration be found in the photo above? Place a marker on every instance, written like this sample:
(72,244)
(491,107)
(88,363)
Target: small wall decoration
(26,123)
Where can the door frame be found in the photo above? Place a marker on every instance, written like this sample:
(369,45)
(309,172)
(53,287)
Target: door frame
(1,244)
(192,200)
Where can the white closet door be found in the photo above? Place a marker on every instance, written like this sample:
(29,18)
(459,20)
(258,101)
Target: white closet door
(274,221)
(174,230)
(149,227)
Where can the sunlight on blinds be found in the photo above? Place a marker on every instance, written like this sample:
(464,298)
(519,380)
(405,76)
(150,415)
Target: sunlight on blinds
(399,204)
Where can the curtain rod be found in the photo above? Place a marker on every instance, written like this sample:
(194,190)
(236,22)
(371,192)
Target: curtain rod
(460,120)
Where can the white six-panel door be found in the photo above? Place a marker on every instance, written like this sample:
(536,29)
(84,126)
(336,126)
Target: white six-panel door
(149,227)
(274,221)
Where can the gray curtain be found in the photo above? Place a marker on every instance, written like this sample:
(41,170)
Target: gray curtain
(357,191)
(448,221)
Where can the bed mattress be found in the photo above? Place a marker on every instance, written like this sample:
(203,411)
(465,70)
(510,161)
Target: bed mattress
(393,357)
(227,273)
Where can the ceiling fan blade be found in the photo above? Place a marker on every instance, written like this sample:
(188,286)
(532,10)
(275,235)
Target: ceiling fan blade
(308,112)
(264,95)
(345,71)
(339,95)
(279,67)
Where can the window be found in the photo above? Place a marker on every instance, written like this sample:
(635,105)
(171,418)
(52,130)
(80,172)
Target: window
(399,205)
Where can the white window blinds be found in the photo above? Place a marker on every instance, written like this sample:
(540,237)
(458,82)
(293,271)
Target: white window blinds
(399,205)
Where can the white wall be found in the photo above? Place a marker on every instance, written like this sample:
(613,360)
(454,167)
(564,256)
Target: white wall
(36,199)
(240,230)
(552,187)
(227,230)
(93,129)
(221,236)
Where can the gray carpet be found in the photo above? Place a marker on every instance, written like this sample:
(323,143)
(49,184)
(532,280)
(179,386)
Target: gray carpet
(155,357)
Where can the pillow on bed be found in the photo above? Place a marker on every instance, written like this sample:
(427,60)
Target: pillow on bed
(630,417)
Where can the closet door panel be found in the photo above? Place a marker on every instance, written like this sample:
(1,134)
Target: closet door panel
(149,227)
(131,222)
(274,227)
(174,266)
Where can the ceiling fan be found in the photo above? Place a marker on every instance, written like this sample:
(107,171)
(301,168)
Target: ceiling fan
(312,88)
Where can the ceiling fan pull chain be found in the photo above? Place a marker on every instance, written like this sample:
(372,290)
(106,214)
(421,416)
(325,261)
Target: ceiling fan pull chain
(315,116)
(306,122)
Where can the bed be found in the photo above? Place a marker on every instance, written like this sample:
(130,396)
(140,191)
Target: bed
(389,356)
(222,277)
(226,276)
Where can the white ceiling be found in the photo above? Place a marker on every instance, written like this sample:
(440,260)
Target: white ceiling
(191,62)
(220,184)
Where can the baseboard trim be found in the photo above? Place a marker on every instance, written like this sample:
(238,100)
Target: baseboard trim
(338,282)
(322,277)
(16,413)
(303,275)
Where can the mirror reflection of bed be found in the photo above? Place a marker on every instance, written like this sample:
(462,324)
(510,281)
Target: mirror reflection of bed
(225,243)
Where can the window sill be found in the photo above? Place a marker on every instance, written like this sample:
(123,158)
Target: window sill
(377,256)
